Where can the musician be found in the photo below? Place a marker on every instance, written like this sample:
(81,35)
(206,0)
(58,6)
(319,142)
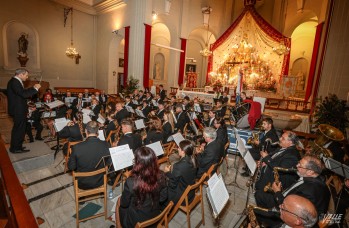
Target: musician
(161,110)
(149,97)
(86,155)
(141,96)
(78,104)
(111,108)
(186,103)
(167,126)
(157,98)
(128,102)
(121,112)
(111,126)
(154,133)
(135,93)
(48,96)
(286,157)
(95,108)
(183,172)
(181,117)
(146,108)
(73,132)
(297,211)
(224,98)
(220,109)
(86,94)
(221,129)
(197,103)
(33,120)
(103,98)
(210,121)
(174,101)
(162,92)
(337,150)
(133,140)
(212,153)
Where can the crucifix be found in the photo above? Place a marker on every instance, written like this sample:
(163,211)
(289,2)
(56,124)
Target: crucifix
(77,58)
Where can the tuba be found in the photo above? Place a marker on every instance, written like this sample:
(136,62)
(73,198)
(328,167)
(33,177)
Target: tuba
(325,134)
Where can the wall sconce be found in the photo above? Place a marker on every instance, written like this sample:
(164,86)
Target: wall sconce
(115,31)
(114,73)
(154,15)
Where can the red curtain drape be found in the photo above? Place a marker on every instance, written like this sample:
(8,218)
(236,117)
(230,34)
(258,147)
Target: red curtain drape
(182,61)
(314,57)
(126,49)
(147,40)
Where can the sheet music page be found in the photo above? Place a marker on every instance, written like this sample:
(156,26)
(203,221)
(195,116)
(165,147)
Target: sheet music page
(54,104)
(86,118)
(60,123)
(48,114)
(213,180)
(178,137)
(101,135)
(69,99)
(140,113)
(135,102)
(197,108)
(38,104)
(121,157)
(129,109)
(334,166)
(154,102)
(241,146)
(139,124)
(157,148)
(122,96)
(218,193)
(101,119)
(86,111)
(250,162)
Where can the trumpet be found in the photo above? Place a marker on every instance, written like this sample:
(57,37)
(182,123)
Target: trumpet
(268,187)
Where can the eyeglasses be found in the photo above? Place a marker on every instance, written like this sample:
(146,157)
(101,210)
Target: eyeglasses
(299,165)
(282,208)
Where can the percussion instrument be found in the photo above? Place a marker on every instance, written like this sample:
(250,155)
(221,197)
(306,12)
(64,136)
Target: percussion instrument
(240,115)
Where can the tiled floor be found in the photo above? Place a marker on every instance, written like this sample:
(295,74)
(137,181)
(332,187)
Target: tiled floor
(57,209)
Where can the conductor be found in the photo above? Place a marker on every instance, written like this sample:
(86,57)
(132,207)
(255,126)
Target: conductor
(18,108)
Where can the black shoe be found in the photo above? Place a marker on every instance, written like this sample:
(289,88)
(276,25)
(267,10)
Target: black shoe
(19,151)
(39,138)
(245,174)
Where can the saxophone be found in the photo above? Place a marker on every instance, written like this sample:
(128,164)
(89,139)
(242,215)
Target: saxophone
(268,187)
(252,217)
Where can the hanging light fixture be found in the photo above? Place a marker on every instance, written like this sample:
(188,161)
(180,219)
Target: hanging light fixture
(281,49)
(71,52)
(206,11)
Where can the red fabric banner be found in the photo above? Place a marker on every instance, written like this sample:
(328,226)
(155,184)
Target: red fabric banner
(147,40)
(182,61)
(126,49)
(314,57)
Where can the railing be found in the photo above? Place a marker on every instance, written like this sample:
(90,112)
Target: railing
(3,104)
(14,207)
(290,104)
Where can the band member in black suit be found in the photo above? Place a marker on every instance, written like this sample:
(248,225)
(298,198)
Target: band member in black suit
(157,98)
(162,92)
(182,118)
(186,103)
(95,108)
(86,94)
(212,153)
(141,95)
(111,126)
(103,98)
(78,104)
(129,103)
(167,126)
(34,120)
(210,121)
(154,133)
(182,173)
(174,101)
(220,110)
(149,97)
(221,129)
(73,132)
(18,108)
(286,157)
(145,191)
(337,150)
(133,140)
(146,108)
(86,155)
(269,133)
(161,110)
(224,98)
(121,112)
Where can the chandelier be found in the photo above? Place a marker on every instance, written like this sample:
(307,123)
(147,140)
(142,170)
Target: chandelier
(281,49)
(206,12)
(71,52)
(206,52)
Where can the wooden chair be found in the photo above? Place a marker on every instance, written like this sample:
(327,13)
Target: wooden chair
(209,172)
(168,148)
(161,219)
(67,156)
(162,160)
(188,207)
(87,195)
(109,138)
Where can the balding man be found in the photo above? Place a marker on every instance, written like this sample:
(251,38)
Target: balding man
(297,212)
(121,112)
(286,157)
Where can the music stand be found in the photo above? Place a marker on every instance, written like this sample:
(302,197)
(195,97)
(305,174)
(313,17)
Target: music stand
(336,167)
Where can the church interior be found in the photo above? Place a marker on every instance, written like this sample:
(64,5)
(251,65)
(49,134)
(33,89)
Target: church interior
(278,60)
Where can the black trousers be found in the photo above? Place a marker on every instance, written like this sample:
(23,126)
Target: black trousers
(38,128)
(18,131)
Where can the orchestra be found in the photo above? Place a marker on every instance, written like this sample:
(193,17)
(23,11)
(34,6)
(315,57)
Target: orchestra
(281,171)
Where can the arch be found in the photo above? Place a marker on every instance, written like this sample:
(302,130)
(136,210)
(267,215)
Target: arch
(10,32)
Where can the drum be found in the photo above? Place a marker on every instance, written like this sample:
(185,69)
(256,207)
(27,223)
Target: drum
(240,115)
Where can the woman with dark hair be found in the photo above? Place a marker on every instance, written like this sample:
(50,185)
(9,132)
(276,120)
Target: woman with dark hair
(155,131)
(167,126)
(221,129)
(183,172)
(145,191)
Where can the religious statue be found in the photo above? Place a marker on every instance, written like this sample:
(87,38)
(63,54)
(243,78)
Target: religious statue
(23,45)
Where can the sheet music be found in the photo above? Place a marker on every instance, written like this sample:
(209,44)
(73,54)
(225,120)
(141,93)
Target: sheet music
(157,148)
(48,114)
(39,104)
(54,104)
(60,123)
(121,156)
(69,99)
(86,111)
(217,194)
(245,153)
(336,167)
(129,109)
(154,102)
(197,108)
(140,113)
(86,118)
(122,96)
(101,119)
(178,137)
(135,102)
(139,124)
(101,135)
